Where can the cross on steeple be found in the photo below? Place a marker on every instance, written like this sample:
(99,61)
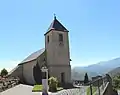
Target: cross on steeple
(54,16)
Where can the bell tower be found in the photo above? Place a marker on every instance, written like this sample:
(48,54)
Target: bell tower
(57,51)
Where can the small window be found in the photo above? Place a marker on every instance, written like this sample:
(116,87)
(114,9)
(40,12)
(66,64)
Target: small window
(48,39)
(60,37)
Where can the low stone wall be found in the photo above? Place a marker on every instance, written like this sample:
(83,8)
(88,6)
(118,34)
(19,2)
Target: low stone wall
(17,72)
(108,90)
(6,83)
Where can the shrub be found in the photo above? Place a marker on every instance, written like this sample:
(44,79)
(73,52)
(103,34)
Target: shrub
(116,82)
(53,82)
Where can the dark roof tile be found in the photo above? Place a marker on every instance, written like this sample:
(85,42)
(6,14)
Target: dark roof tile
(33,56)
(56,25)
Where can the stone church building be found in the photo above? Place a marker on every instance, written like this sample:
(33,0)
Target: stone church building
(55,56)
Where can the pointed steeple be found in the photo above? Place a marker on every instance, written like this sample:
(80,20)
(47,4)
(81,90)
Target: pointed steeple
(56,25)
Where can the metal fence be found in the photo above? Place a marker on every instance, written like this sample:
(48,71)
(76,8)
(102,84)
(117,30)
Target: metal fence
(98,86)
(94,87)
(75,91)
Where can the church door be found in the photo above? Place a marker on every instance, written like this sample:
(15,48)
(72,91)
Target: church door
(63,77)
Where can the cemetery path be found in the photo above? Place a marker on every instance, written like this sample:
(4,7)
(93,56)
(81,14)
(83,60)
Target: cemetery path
(27,90)
(76,91)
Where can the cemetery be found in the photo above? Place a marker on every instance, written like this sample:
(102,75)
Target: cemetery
(6,83)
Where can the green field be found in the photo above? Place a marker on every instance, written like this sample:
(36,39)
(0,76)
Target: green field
(93,90)
(38,88)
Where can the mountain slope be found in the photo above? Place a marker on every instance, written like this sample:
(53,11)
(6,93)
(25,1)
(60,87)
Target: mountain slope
(114,72)
(99,68)
(78,74)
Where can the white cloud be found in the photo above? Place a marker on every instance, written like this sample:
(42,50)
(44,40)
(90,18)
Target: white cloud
(9,64)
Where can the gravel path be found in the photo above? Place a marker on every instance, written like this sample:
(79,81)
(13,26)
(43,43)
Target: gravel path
(20,90)
(76,91)
(27,90)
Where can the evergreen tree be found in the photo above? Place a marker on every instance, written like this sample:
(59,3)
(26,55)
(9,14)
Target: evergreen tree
(86,80)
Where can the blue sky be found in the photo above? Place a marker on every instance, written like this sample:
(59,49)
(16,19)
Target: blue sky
(94,27)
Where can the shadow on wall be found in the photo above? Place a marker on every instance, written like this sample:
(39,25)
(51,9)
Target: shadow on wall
(37,74)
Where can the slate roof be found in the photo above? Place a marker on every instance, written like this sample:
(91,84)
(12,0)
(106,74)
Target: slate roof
(56,25)
(33,56)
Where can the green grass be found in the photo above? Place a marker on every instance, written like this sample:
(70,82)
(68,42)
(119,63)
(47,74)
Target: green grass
(59,88)
(38,88)
(93,90)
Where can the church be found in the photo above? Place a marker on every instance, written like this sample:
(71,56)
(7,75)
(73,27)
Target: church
(55,56)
